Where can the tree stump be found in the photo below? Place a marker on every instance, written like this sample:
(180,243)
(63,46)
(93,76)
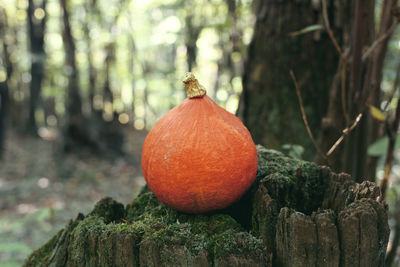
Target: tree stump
(295,214)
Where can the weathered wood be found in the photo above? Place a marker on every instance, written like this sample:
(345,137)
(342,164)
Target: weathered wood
(301,215)
(327,238)
(268,104)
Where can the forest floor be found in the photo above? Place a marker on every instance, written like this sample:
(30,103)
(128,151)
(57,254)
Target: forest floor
(41,189)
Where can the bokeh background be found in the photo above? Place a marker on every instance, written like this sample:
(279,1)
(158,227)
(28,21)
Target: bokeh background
(83,81)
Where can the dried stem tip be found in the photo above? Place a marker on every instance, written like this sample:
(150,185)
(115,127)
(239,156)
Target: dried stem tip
(193,88)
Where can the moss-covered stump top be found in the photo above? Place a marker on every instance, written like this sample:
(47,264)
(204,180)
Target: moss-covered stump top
(295,214)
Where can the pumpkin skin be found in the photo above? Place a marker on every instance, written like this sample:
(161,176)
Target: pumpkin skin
(198,157)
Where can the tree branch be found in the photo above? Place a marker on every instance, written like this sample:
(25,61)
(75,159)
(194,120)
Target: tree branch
(391,254)
(303,114)
(328,28)
(345,132)
(392,134)
(379,40)
(395,83)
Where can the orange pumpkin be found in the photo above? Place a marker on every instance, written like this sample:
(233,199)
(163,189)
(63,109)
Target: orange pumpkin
(198,157)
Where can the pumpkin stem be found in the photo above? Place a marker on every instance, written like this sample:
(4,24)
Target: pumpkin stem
(193,88)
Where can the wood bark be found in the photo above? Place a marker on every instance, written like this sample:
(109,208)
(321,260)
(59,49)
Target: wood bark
(299,214)
(268,105)
(356,86)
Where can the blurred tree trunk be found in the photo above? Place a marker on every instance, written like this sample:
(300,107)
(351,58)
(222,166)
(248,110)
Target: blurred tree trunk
(231,62)
(4,96)
(110,59)
(92,70)
(74,102)
(75,130)
(49,108)
(191,35)
(132,50)
(269,106)
(16,107)
(36,26)
(3,113)
(96,134)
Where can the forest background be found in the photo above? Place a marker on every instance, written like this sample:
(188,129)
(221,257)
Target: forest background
(81,83)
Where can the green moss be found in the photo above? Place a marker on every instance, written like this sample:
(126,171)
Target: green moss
(84,239)
(236,243)
(92,240)
(271,161)
(109,209)
(218,234)
(89,224)
(292,182)
(169,228)
(123,228)
(213,224)
(146,204)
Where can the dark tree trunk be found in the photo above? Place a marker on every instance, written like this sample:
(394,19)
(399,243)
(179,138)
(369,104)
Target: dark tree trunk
(89,7)
(227,65)
(36,26)
(110,58)
(131,70)
(76,131)
(269,106)
(3,114)
(74,102)
(356,86)
(4,96)
(49,108)
(191,35)
(296,214)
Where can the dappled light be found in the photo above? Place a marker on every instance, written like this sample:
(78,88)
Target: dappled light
(83,82)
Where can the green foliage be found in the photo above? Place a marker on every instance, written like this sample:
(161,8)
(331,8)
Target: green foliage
(377,114)
(295,151)
(380,146)
(307,29)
